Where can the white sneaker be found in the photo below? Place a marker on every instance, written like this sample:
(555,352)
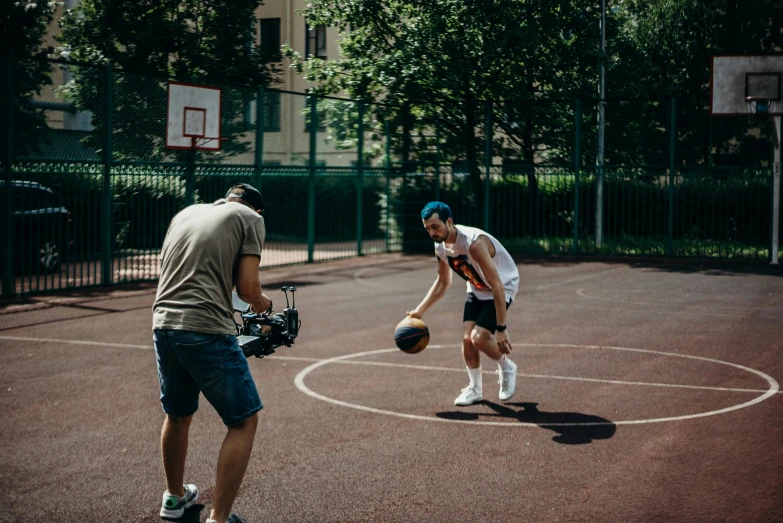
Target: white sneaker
(174,507)
(468,396)
(508,382)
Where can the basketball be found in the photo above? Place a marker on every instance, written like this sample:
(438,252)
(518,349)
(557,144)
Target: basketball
(411,335)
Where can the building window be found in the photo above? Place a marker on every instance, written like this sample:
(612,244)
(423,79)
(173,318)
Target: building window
(271,112)
(315,41)
(269,38)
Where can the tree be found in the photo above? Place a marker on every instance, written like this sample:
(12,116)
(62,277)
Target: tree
(22,26)
(204,41)
(442,60)
(663,49)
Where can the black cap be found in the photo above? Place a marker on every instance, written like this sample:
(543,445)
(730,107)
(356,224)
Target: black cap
(248,193)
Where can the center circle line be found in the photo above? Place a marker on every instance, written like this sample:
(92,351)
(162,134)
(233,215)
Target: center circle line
(771,391)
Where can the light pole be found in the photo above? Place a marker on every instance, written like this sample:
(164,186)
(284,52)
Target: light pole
(599,161)
(778,139)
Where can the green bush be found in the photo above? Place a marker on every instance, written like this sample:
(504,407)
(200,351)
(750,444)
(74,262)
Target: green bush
(536,211)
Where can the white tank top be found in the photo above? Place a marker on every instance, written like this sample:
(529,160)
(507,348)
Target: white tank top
(459,259)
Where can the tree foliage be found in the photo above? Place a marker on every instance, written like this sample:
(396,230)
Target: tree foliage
(663,50)
(22,27)
(204,41)
(440,61)
(443,60)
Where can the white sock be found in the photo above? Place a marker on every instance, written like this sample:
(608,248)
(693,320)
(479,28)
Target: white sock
(475,377)
(504,363)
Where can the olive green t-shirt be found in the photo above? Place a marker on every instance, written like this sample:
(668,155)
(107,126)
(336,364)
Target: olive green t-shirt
(199,263)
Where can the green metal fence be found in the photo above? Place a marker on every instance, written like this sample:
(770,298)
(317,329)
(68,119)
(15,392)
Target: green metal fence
(88,202)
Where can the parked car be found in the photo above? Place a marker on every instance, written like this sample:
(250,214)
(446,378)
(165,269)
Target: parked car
(41,227)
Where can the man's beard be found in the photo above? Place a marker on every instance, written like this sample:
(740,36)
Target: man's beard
(444,238)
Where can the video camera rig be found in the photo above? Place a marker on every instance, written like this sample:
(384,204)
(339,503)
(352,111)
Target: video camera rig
(260,334)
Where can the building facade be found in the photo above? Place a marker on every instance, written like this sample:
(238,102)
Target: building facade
(287,141)
(286,121)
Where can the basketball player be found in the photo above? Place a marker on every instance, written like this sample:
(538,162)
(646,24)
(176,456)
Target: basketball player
(492,281)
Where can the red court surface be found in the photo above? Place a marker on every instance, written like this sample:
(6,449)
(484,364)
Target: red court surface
(648,391)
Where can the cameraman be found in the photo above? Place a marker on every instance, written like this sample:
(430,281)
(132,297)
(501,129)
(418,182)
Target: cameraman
(208,249)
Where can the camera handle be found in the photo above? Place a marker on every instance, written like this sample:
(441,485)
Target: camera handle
(291,314)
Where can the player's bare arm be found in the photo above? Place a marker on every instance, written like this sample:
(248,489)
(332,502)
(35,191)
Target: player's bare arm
(483,251)
(436,292)
(249,284)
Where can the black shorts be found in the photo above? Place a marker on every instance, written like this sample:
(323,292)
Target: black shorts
(482,312)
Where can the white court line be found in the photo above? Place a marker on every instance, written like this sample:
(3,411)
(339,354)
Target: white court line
(77,342)
(552,377)
(773,389)
(357,277)
(579,278)
(521,374)
(581,293)
(418,367)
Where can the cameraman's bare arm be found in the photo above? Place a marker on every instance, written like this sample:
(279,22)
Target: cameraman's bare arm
(436,292)
(249,284)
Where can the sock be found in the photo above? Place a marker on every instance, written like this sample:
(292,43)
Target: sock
(504,363)
(475,377)
(175,496)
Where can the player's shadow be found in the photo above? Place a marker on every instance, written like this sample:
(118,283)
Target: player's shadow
(573,428)
(191,515)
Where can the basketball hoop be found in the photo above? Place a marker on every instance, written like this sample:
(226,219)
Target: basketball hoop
(193,117)
(753,84)
(746,85)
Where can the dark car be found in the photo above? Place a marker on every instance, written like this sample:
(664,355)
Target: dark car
(41,227)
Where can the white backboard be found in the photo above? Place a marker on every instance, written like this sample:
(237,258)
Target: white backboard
(193,117)
(736,76)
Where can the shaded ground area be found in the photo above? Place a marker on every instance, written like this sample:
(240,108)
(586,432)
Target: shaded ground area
(129,265)
(648,391)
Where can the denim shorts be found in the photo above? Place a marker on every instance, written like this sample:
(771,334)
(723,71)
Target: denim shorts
(213,364)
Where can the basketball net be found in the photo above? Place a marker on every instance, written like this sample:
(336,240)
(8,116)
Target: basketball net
(760,107)
(198,142)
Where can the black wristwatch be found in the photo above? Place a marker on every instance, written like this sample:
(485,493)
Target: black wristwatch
(501,328)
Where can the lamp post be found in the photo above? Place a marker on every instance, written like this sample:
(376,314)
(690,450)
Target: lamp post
(599,161)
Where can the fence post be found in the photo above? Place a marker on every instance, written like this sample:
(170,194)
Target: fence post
(577,164)
(388,182)
(599,176)
(190,176)
(437,160)
(487,160)
(360,179)
(260,126)
(778,142)
(108,226)
(7,204)
(311,187)
(672,159)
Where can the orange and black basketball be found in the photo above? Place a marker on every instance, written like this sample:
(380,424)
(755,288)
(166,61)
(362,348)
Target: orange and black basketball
(411,335)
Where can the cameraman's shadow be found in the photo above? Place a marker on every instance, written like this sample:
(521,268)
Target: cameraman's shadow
(191,515)
(573,428)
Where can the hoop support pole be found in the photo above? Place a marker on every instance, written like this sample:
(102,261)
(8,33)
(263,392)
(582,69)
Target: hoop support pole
(776,192)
